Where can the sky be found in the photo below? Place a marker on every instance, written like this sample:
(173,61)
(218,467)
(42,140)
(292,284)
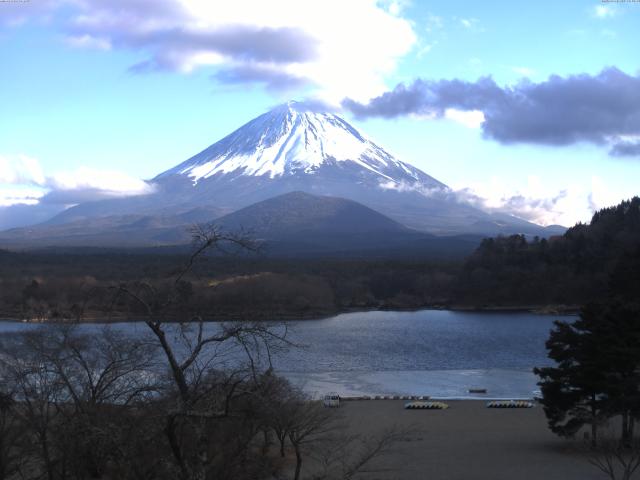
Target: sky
(528,108)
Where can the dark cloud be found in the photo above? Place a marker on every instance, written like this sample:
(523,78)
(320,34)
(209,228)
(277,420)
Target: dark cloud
(171,48)
(171,36)
(428,98)
(168,33)
(625,149)
(262,44)
(560,111)
(272,77)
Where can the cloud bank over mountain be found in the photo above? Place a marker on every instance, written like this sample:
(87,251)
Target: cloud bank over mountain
(602,109)
(23,181)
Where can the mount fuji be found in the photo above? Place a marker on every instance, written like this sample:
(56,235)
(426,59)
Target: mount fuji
(297,140)
(296,147)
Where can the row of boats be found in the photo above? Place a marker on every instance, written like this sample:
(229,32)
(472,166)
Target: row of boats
(333,400)
(492,404)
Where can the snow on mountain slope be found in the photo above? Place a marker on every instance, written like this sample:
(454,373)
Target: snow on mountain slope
(297,147)
(294,139)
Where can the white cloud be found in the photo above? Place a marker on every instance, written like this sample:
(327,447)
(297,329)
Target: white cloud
(88,41)
(20,169)
(395,7)
(466,22)
(18,195)
(604,11)
(533,201)
(470,118)
(23,181)
(602,196)
(524,71)
(434,23)
(425,48)
(537,203)
(339,48)
(109,183)
(413,187)
(472,24)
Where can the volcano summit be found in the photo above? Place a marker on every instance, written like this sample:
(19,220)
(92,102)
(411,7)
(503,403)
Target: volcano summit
(296,139)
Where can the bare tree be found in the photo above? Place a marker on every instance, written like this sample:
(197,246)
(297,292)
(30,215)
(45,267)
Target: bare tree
(111,368)
(39,392)
(321,436)
(72,392)
(347,457)
(279,400)
(310,424)
(11,436)
(616,459)
(196,356)
(188,400)
(103,375)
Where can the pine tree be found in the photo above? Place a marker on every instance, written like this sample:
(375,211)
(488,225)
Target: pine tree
(597,375)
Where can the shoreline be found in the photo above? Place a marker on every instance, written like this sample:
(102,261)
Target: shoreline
(419,398)
(450,384)
(560,310)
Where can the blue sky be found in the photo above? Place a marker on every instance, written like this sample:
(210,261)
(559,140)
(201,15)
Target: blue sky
(98,95)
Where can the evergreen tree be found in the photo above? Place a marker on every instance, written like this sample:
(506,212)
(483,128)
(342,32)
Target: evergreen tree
(598,369)
(573,391)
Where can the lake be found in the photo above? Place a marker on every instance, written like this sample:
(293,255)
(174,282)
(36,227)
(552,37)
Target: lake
(440,353)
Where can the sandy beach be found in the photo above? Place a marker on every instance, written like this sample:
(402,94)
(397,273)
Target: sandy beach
(470,441)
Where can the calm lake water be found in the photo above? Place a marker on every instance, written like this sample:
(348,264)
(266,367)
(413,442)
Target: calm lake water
(429,352)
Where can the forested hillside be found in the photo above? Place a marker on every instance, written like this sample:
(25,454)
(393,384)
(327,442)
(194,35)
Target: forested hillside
(504,272)
(569,269)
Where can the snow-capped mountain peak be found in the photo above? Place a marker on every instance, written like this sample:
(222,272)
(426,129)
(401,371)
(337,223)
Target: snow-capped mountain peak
(297,138)
(296,147)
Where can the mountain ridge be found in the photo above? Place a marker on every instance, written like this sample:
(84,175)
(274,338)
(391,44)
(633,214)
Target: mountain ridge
(294,224)
(297,214)
(298,147)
